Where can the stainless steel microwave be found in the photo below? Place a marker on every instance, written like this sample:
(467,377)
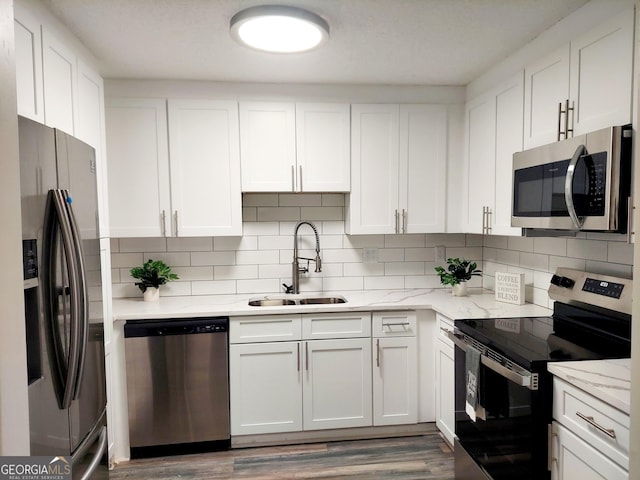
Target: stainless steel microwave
(581,183)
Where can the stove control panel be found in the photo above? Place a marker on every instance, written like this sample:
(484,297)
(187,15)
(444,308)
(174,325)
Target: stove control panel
(592,289)
(601,287)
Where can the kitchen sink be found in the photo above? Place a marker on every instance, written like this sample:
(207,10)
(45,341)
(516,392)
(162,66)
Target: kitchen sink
(321,300)
(279,302)
(271,302)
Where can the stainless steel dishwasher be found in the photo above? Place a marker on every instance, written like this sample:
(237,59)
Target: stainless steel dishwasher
(177,381)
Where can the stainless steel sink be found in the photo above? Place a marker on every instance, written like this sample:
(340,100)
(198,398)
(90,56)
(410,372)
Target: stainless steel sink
(321,300)
(279,302)
(271,302)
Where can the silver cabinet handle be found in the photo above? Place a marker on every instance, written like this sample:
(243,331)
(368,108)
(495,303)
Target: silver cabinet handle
(566,111)
(568,187)
(560,132)
(306,355)
(630,209)
(610,432)
(163,223)
(396,324)
(397,218)
(175,220)
(298,350)
(488,220)
(293,178)
(300,179)
(378,352)
(404,221)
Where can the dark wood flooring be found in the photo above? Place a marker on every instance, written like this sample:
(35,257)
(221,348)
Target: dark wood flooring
(406,458)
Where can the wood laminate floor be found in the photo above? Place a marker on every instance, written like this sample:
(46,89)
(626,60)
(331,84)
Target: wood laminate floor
(405,458)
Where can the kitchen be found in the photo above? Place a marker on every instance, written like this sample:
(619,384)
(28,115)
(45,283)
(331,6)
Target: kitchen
(270,218)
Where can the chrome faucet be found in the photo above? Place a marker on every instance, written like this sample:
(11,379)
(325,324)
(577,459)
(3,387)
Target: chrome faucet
(296,269)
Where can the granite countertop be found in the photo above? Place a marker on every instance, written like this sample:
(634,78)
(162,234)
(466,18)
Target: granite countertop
(608,380)
(479,303)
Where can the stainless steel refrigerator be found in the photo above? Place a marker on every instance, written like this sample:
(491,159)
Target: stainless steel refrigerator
(63,299)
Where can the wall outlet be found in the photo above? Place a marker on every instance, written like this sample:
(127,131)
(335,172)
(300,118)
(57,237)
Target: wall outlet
(369,255)
(441,255)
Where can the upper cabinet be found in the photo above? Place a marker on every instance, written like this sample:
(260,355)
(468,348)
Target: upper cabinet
(398,161)
(175,178)
(583,86)
(287,147)
(494,134)
(29,84)
(60,78)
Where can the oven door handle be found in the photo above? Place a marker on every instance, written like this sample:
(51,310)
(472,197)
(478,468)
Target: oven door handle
(523,380)
(568,187)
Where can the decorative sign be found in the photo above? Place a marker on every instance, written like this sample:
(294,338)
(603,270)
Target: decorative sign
(510,287)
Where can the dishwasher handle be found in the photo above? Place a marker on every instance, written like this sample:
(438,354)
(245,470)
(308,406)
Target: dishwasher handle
(175,326)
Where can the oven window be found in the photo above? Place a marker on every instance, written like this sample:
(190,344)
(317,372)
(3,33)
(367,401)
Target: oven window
(539,190)
(507,441)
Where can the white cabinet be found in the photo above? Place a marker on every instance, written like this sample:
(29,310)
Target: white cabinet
(398,161)
(445,386)
(29,85)
(287,147)
(204,159)
(573,458)
(138,170)
(193,190)
(395,368)
(265,387)
(494,133)
(337,383)
(575,76)
(300,372)
(60,77)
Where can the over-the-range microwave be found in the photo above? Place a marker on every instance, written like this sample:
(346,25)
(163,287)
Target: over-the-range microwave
(581,183)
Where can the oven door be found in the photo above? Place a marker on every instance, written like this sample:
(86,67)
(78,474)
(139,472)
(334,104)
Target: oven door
(509,439)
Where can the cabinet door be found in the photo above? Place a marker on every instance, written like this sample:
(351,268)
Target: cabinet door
(602,75)
(373,203)
(480,161)
(395,381)
(267,146)
(546,84)
(445,390)
(422,172)
(323,147)
(138,170)
(573,458)
(509,120)
(59,73)
(29,86)
(265,388)
(337,383)
(204,155)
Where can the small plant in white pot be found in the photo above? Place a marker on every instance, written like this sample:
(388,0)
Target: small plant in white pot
(152,274)
(457,273)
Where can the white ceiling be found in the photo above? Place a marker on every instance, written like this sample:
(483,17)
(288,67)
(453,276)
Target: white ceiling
(397,42)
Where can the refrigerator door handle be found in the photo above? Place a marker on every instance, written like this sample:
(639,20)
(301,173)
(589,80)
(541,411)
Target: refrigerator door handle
(57,220)
(95,461)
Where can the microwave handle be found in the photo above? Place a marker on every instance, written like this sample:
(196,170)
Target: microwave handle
(568,187)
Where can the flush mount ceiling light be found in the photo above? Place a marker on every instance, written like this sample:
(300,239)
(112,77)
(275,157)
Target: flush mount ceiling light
(279,29)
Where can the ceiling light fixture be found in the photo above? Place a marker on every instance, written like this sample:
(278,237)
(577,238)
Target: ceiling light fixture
(279,29)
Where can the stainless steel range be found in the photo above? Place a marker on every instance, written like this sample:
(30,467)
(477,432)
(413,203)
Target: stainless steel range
(508,438)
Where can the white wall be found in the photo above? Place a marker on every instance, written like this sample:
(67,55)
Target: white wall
(14,412)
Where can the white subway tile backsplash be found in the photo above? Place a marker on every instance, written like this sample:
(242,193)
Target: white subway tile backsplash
(175,289)
(143,245)
(190,244)
(260,260)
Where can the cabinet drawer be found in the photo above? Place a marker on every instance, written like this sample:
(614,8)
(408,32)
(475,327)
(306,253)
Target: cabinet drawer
(578,411)
(394,324)
(336,325)
(265,328)
(444,325)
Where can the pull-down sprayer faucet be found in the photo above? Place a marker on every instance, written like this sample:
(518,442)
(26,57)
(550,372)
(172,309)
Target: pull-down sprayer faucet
(295,287)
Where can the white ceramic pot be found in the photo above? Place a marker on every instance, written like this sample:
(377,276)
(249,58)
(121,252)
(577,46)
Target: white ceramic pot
(151,294)
(459,290)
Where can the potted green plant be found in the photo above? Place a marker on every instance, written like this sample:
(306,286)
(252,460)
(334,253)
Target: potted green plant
(457,274)
(152,274)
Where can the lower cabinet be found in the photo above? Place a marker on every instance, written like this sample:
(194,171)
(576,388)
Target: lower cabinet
(574,458)
(304,383)
(445,385)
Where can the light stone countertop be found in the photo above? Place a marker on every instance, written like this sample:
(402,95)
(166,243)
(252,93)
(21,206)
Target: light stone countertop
(479,303)
(608,380)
